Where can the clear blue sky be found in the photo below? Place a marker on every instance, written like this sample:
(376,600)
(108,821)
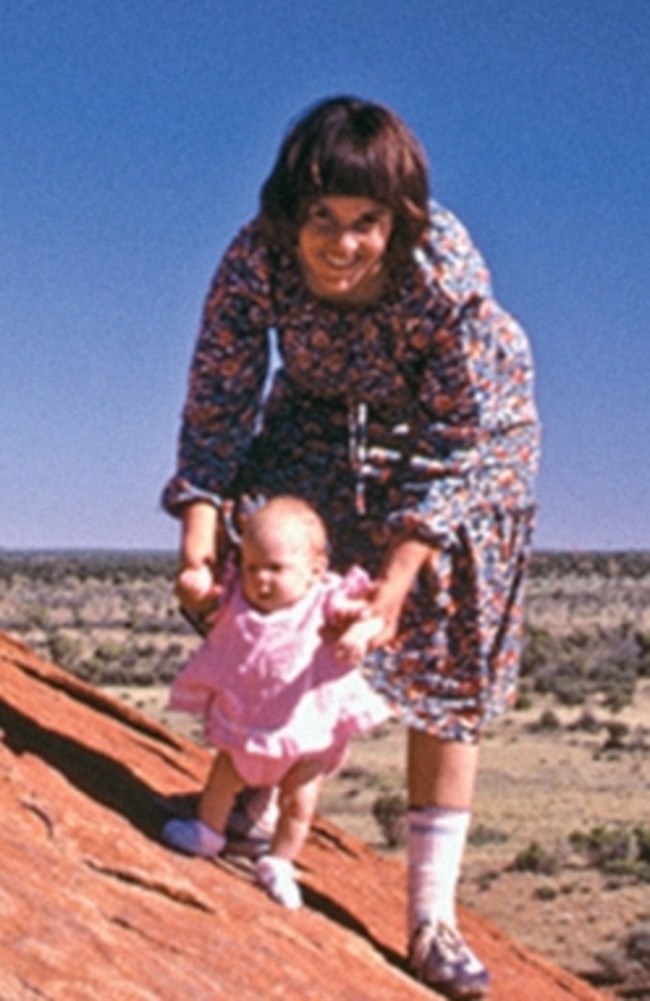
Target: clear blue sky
(135,137)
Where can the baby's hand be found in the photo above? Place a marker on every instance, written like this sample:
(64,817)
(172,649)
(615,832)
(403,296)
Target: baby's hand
(355,642)
(345,611)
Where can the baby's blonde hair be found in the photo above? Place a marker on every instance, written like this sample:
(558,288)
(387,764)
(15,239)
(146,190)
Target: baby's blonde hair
(293,511)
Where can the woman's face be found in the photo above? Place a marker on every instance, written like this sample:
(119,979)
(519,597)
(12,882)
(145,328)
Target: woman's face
(342,248)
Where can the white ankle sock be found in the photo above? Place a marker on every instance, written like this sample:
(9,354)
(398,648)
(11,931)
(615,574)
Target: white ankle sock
(436,841)
(278,877)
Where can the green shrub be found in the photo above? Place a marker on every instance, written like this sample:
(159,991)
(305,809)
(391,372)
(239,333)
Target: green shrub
(539,649)
(617,731)
(524,700)
(536,859)
(64,650)
(587,722)
(618,850)
(545,892)
(110,651)
(627,964)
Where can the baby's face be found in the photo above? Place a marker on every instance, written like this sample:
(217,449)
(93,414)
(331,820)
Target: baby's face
(278,567)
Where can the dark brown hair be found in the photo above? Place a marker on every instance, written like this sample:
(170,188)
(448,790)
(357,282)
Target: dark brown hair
(347,146)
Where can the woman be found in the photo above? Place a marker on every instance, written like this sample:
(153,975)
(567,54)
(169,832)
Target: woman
(401,407)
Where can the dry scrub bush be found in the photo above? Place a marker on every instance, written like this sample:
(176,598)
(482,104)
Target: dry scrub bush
(577,666)
(627,964)
(619,850)
(108,618)
(534,858)
(389,810)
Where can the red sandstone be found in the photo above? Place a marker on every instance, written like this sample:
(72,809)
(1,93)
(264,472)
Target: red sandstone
(94,908)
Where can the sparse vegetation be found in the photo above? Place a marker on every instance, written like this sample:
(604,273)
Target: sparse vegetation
(109,618)
(618,850)
(482,834)
(626,966)
(588,630)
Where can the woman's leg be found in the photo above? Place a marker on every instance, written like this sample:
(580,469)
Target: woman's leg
(441,778)
(441,773)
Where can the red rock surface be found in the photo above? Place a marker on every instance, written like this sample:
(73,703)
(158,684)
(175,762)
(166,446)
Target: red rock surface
(93,907)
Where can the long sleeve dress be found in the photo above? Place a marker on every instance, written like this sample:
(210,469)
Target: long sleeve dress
(411,416)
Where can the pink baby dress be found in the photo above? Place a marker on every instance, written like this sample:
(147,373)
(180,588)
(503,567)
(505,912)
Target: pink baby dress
(270,688)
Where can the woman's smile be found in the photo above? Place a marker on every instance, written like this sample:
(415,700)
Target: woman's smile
(342,248)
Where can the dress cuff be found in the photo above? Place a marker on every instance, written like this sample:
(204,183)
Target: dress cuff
(180,492)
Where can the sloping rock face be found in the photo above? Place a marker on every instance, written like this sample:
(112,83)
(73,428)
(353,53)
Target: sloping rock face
(94,907)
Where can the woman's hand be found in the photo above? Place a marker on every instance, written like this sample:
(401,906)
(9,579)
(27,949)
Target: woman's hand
(402,567)
(197,590)
(357,638)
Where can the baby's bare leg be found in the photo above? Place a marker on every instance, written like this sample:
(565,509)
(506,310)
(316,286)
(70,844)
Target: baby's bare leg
(218,796)
(298,798)
(299,791)
(205,834)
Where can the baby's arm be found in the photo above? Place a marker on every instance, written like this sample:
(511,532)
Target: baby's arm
(352,622)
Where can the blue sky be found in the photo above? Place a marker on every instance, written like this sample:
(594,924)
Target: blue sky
(136,135)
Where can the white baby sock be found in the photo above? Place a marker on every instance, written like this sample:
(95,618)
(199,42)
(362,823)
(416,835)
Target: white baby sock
(436,842)
(278,877)
(193,837)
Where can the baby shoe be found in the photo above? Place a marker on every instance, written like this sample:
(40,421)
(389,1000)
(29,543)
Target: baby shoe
(252,822)
(441,958)
(277,877)
(193,837)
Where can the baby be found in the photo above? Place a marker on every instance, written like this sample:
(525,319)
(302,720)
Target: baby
(279,692)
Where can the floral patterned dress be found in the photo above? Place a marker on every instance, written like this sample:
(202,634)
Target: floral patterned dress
(414,415)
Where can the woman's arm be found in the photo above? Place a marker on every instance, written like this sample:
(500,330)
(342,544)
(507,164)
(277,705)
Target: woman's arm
(403,564)
(196,588)
(226,378)
(476,411)
(220,414)
(199,535)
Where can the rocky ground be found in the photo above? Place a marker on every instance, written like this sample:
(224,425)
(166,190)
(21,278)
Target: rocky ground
(93,907)
(546,774)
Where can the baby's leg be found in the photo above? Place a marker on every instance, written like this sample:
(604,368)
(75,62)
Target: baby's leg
(218,796)
(299,791)
(205,836)
(298,798)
